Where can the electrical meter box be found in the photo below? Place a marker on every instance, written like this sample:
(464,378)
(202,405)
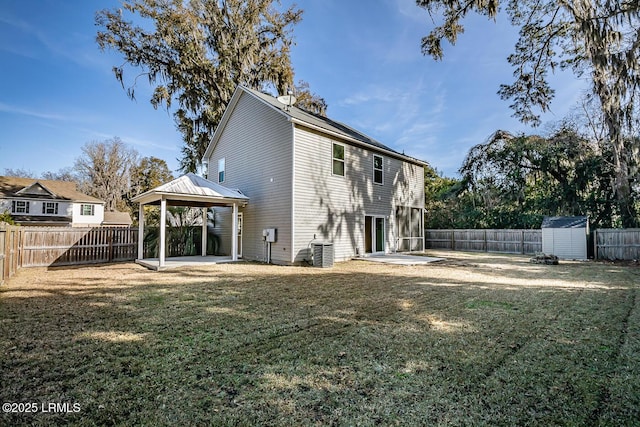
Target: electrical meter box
(269,235)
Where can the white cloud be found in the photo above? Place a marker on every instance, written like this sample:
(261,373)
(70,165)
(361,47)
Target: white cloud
(142,143)
(71,48)
(409,9)
(13,109)
(371,94)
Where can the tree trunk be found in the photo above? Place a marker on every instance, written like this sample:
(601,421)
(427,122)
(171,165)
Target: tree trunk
(622,187)
(626,208)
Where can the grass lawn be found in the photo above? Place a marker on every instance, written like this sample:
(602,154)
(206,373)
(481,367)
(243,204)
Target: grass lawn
(475,340)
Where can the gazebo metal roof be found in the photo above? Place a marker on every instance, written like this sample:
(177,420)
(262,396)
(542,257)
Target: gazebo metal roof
(191,190)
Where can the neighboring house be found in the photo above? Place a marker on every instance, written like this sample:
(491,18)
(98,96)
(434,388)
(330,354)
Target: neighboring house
(41,202)
(313,180)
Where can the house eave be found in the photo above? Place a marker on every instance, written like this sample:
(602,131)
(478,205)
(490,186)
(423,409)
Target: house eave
(227,114)
(32,198)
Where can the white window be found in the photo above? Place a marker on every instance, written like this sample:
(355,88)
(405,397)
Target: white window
(378,176)
(50,208)
(221,168)
(19,206)
(87,210)
(338,159)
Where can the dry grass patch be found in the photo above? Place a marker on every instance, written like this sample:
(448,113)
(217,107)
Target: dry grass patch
(475,340)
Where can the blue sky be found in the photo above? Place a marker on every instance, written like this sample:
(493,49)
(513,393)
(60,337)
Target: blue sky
(57,90)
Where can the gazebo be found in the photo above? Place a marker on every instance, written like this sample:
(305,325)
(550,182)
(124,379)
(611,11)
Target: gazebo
(193,191)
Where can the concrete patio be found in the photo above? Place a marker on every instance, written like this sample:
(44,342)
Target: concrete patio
(183,261)
(401,259)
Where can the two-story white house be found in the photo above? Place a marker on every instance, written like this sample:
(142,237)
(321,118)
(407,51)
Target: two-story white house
(42,202)
(312,179)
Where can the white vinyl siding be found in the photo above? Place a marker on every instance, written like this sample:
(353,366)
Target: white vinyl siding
(565,243)
(256,144)
(80,211)
(333,208)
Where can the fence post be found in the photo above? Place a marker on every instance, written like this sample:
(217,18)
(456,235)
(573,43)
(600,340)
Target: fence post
(595,244)
(10,250)
(23,245)
(522,242)
(453,240)
(110,244)
(486,247)
(3,256)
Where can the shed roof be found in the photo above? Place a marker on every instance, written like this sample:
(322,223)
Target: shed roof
(117,218)
(191,190)
(564,222)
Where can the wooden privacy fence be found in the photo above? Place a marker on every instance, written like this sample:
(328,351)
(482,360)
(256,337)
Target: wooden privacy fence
(53,246)
(491,240)
(57,246)
(9,251)
(617,244)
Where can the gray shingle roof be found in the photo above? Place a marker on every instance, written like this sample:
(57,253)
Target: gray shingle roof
(564,222)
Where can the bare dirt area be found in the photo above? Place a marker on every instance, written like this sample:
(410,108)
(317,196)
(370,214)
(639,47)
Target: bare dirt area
(476,339)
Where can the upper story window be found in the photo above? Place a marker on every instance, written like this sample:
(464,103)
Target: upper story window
(50,208)
(338,159)
(19,206)
(87,210)
(378,175)
(221,169)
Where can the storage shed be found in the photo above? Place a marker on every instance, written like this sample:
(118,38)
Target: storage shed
(565,236)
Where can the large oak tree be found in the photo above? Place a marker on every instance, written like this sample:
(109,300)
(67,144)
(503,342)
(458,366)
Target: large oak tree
(531,175)
(194,53)
(597,38)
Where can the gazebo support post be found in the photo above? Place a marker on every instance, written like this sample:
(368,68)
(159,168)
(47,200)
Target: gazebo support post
(204,232)
(163,221)
(234,233)
(140,231)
